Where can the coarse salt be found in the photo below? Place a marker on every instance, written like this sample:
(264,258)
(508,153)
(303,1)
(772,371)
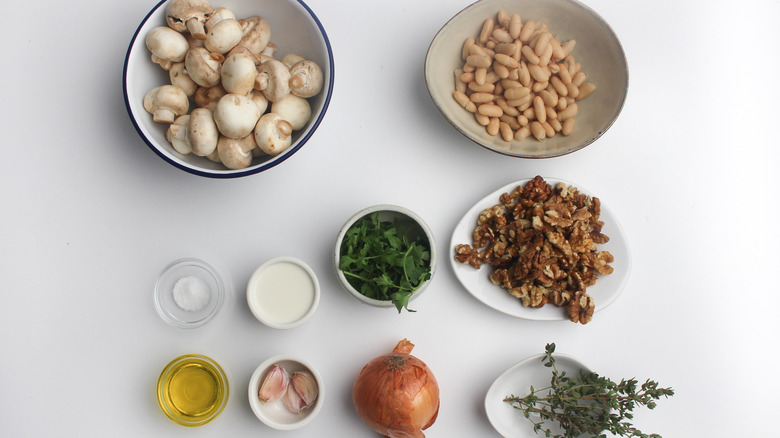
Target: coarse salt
(191,293)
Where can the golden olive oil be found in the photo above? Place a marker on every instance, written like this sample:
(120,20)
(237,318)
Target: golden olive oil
(192,390)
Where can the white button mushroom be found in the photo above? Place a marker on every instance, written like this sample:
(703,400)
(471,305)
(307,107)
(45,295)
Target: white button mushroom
(257,34)
(165,103)
(178,135)
(236,153)
(306,79)
(180,78)
(207,97)
(218,15)
(167,46)
(259,99)
(294,109)
(238,74)
(203,66)
(273,79)
(241,50)
(236,115)
(203,132)
(194,42)
(269,50)
(189,16)
(214,156)
(273,134)
(224,35)
(291,59)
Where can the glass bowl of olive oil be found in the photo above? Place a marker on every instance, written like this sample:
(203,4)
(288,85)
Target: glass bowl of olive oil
(192,390)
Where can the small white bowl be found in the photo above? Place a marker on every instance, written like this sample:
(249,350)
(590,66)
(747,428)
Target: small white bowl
(275,414)
(597,49)
(387,212)
(517,380)
(283,292)
(294,29)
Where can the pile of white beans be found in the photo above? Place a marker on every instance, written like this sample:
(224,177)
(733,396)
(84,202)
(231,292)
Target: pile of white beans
(519,80)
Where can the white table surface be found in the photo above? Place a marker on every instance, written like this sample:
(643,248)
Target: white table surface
(91,215)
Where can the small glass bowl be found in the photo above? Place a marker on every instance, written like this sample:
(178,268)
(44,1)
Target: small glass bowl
(184,384)
(164,301)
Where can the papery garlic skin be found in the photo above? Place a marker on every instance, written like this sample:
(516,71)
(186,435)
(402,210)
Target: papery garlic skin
(275,385)
(292,401)
(304,384)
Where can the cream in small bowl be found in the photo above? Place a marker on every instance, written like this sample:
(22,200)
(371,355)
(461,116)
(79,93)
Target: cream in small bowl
(283,292)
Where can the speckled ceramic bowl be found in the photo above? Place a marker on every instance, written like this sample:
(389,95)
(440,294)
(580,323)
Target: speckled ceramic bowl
(597,49)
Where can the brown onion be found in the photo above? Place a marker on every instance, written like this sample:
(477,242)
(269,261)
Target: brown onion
(397,394)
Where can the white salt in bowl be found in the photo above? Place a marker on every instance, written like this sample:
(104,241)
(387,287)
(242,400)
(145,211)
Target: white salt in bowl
(189,292)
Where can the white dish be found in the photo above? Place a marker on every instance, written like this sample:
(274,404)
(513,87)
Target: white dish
(517,380)
(477,281)
(283,292)
(387,212)
(275,414)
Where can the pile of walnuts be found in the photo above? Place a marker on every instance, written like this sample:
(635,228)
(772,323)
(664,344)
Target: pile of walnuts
(542,244)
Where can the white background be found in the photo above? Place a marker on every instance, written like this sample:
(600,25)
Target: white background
(90,216)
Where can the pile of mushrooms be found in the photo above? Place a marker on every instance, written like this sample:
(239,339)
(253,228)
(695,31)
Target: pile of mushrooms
(247,103)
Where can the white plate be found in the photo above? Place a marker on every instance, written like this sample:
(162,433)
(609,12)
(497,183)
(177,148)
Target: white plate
(477,281)
(517,380)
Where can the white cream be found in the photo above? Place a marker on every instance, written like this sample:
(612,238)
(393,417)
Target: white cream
(282,292)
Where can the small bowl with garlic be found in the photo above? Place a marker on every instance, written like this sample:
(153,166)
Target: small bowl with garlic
(230,88)
(528,78)
(286,392)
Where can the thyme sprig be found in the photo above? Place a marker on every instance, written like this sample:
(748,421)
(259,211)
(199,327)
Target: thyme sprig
(587,405)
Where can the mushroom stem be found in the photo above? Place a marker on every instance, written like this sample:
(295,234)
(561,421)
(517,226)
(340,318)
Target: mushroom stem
(196,28)
(284,127)
(306,79)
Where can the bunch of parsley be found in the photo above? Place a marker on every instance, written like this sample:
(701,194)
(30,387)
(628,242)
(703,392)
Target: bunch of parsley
(382,261)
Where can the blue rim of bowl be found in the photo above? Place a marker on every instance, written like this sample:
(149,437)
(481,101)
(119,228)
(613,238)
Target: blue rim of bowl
(527,156)
(252,170)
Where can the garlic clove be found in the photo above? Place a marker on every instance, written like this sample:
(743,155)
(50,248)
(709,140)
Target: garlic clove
(304,384)
(275,384)
(292,401)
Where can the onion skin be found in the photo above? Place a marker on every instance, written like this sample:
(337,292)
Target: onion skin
(396,394)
